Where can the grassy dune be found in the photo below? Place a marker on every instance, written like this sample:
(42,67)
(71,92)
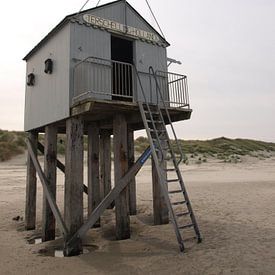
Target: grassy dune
(12,143)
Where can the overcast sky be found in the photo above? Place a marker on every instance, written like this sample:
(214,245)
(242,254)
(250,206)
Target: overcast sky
(227,49)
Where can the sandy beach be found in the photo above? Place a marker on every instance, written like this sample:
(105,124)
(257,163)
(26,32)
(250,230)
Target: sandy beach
(234,205)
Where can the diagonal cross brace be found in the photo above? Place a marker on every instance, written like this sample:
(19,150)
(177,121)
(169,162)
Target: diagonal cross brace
(59,164)
(47,191)
(111,196)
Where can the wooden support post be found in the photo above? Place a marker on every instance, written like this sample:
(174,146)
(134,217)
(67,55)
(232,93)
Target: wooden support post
(120,168)
(161,213)
(47,191)
(30,207)
(93,169)
(132,184)
(105,164)
(50,161)
(73,201)
(59,165)
(112,195)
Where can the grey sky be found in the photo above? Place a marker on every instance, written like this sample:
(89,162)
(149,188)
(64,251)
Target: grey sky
(227,48)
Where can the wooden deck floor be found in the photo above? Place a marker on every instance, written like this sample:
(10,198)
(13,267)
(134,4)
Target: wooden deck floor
(102,111)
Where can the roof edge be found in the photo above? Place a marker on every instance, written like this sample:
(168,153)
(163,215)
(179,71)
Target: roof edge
(70,16)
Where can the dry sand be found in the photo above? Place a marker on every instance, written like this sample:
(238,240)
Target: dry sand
(234,205)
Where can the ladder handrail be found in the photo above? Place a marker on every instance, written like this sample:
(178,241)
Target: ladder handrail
(148,108)
(152,72)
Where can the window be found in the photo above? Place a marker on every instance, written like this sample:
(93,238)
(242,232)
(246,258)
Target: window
(30,79)
(48,66)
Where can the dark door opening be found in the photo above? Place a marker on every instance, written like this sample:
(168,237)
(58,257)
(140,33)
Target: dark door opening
(122,82)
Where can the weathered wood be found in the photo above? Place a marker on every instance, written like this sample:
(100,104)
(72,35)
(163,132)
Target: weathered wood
(120,168)
(46,189)
(111,196)
(105,164)
(132,184)
(48,220)
(93,169)
(59,164)
(30,207)
(161,213)
(73,201)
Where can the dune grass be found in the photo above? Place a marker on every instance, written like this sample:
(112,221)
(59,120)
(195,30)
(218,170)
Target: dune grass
(12,143)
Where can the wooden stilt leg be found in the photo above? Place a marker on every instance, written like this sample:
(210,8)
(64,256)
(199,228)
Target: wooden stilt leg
(93,169)
(48,220)
(73,208)
(132,184)
(105,163)
(161,213)
(30,207)
(120,168)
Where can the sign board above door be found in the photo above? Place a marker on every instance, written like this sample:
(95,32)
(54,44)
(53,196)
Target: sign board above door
(121,28)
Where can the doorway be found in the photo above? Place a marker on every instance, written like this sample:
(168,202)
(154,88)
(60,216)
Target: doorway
(122,75)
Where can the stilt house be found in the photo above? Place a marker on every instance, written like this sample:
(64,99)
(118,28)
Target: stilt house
(103,72)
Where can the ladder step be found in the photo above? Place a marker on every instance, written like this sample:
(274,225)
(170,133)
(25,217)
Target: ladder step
(167,158)
(175,191)
(154,121)
(186,226)
(152,112)
(170,169)
(178,202)
(183,214)
(159,131)
(159,150)
(173,180)
(161,140)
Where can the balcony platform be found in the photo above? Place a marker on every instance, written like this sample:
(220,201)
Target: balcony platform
(102,111)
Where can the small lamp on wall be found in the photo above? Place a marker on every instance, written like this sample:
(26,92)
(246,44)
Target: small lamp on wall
(48,66)
(30,79)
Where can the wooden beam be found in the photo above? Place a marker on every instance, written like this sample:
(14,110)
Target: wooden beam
(120,168)
(48,220)
(46,189)
(93,169)
(161,213)
(30,207)
(132,184)
(73,201)
(112,195)
(59,164)
(105,164)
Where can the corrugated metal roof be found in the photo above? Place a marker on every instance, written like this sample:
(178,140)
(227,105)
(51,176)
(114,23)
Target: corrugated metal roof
(69,17)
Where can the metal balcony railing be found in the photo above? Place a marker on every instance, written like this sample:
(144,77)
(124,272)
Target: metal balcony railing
(103,79)
(174,89)
(100,78)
